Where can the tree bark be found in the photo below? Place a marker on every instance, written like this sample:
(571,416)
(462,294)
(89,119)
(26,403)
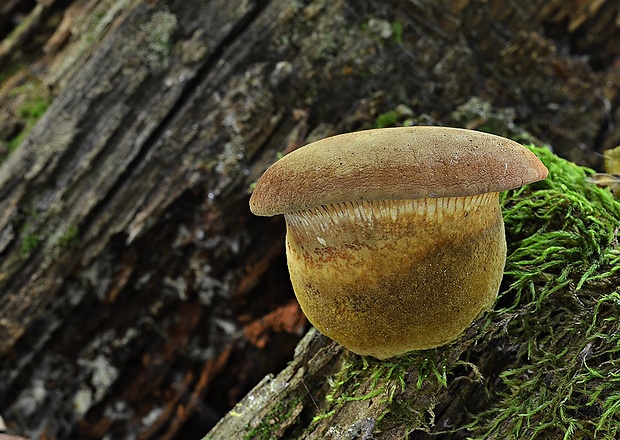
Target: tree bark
(136,289)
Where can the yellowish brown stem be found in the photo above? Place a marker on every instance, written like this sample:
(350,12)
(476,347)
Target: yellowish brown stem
(386,277)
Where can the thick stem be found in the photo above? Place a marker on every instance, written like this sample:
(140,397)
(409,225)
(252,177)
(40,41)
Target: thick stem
(384,278)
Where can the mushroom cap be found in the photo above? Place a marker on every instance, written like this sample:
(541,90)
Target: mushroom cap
(394,164)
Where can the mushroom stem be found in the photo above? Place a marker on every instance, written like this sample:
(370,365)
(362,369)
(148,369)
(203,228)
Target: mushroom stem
(431,265)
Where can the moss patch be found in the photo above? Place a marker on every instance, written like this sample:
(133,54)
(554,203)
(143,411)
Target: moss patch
(557,318)
(543,364)
(30,243)
(277,421)
(70,239)
(31,99)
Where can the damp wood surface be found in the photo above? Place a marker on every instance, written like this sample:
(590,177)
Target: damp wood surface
(138,295)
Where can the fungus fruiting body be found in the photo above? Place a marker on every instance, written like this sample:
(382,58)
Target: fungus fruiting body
(395,239)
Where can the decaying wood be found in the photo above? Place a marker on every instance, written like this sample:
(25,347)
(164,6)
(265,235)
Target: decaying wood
(315,358)
(132,275)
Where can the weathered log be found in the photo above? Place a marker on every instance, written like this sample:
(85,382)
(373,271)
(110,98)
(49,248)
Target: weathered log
(542,364)
(133,278)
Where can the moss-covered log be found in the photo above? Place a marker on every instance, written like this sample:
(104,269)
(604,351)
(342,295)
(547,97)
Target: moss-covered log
(138,295)
(542,364)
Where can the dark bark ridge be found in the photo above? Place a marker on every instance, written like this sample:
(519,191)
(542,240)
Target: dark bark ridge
(130,266)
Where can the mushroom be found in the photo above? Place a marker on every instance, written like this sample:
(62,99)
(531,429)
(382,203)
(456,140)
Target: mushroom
(395,239)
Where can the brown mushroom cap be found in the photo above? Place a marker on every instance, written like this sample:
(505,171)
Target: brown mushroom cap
(394,164)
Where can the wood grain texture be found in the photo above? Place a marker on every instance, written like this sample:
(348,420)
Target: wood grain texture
(130,264)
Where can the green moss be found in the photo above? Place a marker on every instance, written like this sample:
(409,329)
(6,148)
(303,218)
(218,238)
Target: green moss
(37,100)
(70,239)
(35,107)
(562,296)
(278,419)
(16,141)
(400,116)
(382,31)
(393,384)
(33,238)
(30,243)
(387,119)
(543,364)
(397,32)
